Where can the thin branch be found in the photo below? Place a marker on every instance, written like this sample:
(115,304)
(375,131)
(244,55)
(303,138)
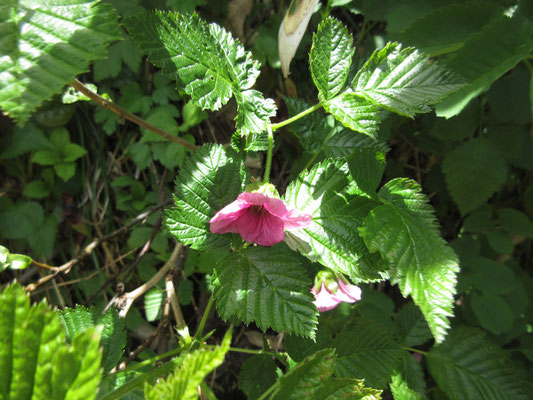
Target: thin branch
(125,114)
(130,297)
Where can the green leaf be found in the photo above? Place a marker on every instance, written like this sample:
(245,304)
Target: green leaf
(404,231)
(514,221)
(25,139)
(163,117)
(21,220)
(446,29)
(332,238)
(474,171)
(257,374)
(492,312)
(18,261)
(344,142)
(312,130)
(35,361)
(38,61)
(185,292)
(153,301)
(248,279)
(65,170)
(486,56)
(404,81)
(72,152)
(411,327)
(46,157)
(113,334)
(408,380)
(469,367)
(366,167)
(37,189)
(401,391)
(303,380)
(501,242)
(346,389)
(330,58)
(206,61)
(491,277)
(43,238)
(209,180)
(124,51)
(367,351)
(183,383)
(140,154)
(354,112)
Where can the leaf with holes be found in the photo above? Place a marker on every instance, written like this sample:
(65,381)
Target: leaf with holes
(44,46)
(404,81)
(209,180)
(404,231)
(266,285)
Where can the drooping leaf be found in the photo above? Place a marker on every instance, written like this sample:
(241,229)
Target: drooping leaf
(183,383)
(206,61)
(367,351)
(113,335)
(486,56)
(445,29)
(209,180)
(474,171)
(303,380)
(354,112)
(467,366)
(45,46)
(332,238)
(330,58)
(266,285)
(404,81)
(404,231)
(36,361)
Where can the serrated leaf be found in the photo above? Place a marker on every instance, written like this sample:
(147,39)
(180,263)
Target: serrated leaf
(344,142)
(206,61)
(445,29)
(113,335)
(367,351)
(35,360)
(467,366)
(404,81)
(408,379)
(401,391)
(257,374)
(354,112)
(303,380)
(346,389)
(330,58)
(411,327)
(37,61)
(474,171)
(332,238)
(209,180)
(183,383)
(366,167)
(404,232)
(486,56)
(266,285)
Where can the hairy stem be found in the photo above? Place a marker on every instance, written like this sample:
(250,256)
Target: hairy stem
(269,153)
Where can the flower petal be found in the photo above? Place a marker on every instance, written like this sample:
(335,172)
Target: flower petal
(261,228)
(296,219)
(347,293)
(225,220)
(324,300)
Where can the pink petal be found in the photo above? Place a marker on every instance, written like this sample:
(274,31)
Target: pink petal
(347,293)
(324,300)
(224,220)
(260,227)
(296,219)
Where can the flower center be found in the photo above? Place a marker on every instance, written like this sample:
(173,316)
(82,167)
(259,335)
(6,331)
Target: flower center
(258,210)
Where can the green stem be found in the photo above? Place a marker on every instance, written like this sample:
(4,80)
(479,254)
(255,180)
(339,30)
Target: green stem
(268,391)
(152,360)
(424,353)
(269,153)
(275,127)
(204,317)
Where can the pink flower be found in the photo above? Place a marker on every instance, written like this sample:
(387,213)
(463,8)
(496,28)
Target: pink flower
(330,292)
(258,218)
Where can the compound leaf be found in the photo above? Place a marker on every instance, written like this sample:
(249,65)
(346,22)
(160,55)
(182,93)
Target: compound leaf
(404,231)
(44,46)
(266,285)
